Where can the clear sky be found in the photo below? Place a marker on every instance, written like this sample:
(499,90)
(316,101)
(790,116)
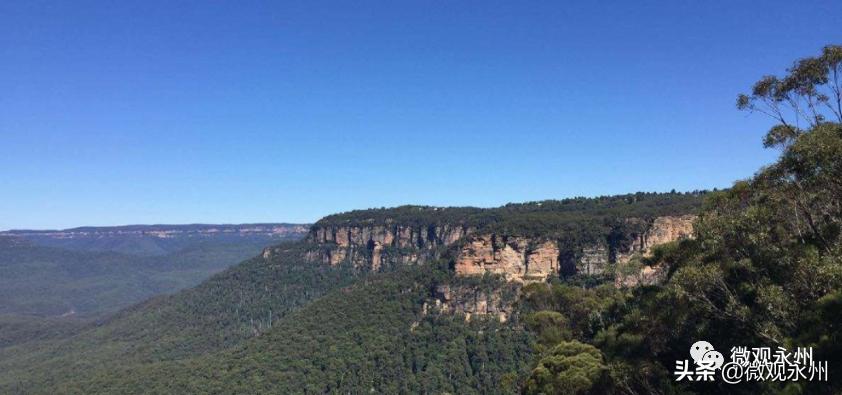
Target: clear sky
(177,112)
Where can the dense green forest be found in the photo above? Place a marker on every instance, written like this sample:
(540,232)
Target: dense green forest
(369,337)
(548,218)
(17,329)
(238,304)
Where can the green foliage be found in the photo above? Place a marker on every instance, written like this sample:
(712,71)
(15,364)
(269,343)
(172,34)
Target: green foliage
(584,310)
(765,268)
(810,93)
(550,326)
(581,218)
(16,329)
(371,336)
(569,368)
(229,308)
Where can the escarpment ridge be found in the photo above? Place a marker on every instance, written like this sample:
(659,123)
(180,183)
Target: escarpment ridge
(523,243)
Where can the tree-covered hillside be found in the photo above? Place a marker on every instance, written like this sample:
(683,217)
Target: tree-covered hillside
(548,218)
(237,304)
(369,337)
(45,281)
(765,268)
(273,306)
(91,271)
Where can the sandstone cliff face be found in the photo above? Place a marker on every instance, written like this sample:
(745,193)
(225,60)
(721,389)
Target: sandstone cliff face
(647,275)
(594,260)
(663,230)
(517,259)
(469,302)
(375,245)
(525,260)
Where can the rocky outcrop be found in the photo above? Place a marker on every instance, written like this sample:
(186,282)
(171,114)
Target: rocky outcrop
(667,229)
(469,302)
(662,230)
(404,236)
(646,275)
(517,259)
(525,260)
(594,260)
(373,246)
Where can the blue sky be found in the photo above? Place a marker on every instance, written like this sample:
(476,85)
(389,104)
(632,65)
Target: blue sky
(177,112)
